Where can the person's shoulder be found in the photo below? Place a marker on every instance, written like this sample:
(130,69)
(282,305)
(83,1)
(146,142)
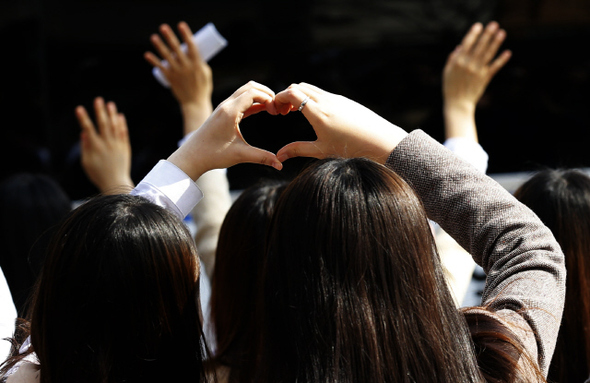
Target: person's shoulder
(27,373)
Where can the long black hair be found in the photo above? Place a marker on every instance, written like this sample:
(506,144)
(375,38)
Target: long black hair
(561,199)
(353,286)
(238,271)
(117,298)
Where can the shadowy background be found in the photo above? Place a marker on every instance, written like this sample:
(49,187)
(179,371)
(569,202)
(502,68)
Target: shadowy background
(387,55)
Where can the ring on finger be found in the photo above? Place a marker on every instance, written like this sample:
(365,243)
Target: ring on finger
(305,100)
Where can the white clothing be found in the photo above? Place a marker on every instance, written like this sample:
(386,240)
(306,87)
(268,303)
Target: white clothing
(8,317)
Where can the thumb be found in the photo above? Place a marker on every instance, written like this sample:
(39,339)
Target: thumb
(300,149)
(259,156)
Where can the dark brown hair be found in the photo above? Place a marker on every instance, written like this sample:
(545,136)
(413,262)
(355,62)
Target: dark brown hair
(501,356)
(117,297)
(353,286)
(238,269)
(561,199)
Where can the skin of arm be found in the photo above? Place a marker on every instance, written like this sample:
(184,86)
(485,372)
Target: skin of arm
(191,82)
(467,73)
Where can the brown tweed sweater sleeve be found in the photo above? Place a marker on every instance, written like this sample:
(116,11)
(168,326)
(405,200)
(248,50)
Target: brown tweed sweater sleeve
(525,283)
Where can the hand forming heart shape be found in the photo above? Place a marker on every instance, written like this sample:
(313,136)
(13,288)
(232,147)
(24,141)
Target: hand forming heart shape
(343,128)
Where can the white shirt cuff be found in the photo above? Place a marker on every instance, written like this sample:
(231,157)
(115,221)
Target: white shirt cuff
(470,151)
(169,187)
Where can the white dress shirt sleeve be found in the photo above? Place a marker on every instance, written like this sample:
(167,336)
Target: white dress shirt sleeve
(169,187)
(470,151)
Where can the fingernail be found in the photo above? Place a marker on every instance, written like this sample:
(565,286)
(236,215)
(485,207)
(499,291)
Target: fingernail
(282,158)
(277,165)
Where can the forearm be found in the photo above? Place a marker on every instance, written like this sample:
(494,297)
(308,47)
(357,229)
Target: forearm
(195,114)
(209,215)
(460,121)
(523,262)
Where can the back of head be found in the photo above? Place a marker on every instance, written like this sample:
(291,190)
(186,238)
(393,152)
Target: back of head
(561,198)
(117,296)
(354,290)
(238,267)
(30,204)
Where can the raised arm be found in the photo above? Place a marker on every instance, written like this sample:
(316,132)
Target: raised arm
(106,151)
(190,77)
(524,263)
(465,77)
(467,73)
(217,144)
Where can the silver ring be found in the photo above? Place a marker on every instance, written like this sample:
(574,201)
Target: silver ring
(305,100)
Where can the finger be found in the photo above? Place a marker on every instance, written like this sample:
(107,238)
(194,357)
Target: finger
(293,97)
(493,47)
(172,41)
(102,119)
(162,49)
(254,155)
(498,63)
(85,122)
(122,130)
(113,118)
(484,40)
(471,37)
(252,85)
(452,60)
(257,108)
(253,98)
(453,55)
(299,149)
(154,60)
(311,90)
(123,123)
(187,36)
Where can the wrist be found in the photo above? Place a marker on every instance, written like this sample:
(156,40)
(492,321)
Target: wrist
(116,186)
(195,114)
(197,108)
(459,108)
(460,122)
(189,158)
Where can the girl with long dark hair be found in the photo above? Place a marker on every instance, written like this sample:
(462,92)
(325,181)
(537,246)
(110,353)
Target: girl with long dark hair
(352,287)
(238,272)
(561,198)
(117,298)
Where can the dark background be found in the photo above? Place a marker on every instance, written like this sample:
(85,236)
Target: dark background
(388,55)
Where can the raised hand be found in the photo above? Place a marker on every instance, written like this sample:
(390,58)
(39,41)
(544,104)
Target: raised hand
(467,73)
(219,143)
(190,77)
(343,127)
(106,152)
